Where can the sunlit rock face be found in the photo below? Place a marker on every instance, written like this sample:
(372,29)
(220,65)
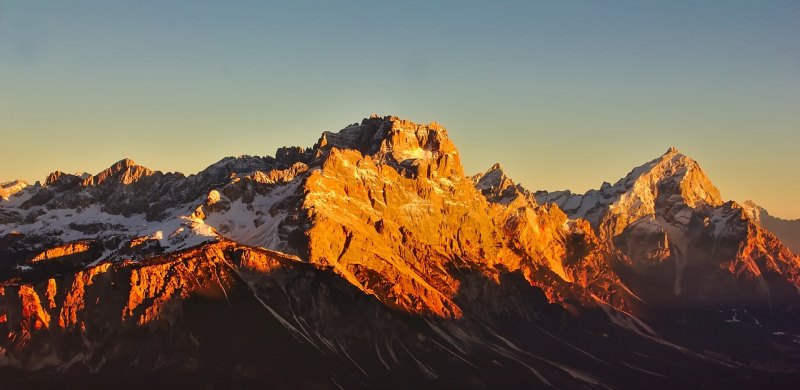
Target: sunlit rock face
(371,260)
(12,187)
(391,210)
(787,230)
(554,248)
(680,243)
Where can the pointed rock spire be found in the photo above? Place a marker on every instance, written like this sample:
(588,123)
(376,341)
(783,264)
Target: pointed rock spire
(672,150)
(497,187)
(494,177)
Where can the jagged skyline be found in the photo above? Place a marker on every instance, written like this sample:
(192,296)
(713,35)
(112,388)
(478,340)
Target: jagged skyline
(373,254)
(565,96)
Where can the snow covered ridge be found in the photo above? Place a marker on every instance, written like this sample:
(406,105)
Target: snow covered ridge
(134,213)
(128,205)
(672,174)
(669,220)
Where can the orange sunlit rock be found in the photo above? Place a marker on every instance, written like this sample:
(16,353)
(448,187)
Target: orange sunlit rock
(63,250)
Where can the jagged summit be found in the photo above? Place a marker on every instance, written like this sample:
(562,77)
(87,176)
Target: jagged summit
(389,134)
(668,219)
(124,171)
(58,178)
(497,187)
(238,166)
(672,176)
(125,162)
(787,230)
(396,141)
(494,177)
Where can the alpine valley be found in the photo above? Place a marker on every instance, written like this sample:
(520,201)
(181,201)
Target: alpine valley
(370,260)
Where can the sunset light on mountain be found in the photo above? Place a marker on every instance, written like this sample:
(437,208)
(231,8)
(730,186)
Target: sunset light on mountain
(361,195)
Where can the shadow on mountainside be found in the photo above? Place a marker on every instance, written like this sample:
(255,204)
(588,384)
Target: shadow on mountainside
(235,319)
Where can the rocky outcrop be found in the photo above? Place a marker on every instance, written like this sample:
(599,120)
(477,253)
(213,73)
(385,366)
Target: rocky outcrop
(787,230)
(499,188)
(670,180)
(558,249)
(73,248)
(125,172)
(417,150)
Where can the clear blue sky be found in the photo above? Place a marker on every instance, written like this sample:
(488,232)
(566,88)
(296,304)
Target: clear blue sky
(565,94)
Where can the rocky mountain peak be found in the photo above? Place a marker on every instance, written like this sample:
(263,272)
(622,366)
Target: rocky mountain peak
(494,177)
(497,187)
(238,166)
(289,156)
(13,184)
(672,150)
(402,138)
(425,149)
(752,210)
(125,162)
(673,174)
(671,179)
(125,171)
(58,178)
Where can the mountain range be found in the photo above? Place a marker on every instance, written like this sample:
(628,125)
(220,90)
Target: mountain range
(370,260)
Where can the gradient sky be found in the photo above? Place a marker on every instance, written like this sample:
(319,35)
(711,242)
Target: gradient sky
(565,94)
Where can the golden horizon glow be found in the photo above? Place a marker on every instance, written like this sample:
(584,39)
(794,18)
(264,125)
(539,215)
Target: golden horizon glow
(566,96)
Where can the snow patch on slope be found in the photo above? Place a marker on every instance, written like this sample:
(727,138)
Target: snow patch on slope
(255,223)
